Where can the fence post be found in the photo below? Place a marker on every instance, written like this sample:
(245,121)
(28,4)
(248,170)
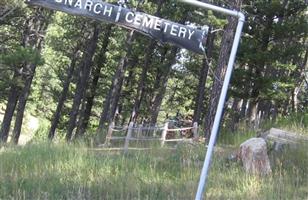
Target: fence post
(195,131)
(128,136)
(109,134)
(164,134)
(139,130)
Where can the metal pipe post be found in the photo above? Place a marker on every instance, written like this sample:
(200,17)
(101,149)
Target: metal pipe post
(224,90)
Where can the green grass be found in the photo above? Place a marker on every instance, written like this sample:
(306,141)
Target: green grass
(61,171)
(295,122)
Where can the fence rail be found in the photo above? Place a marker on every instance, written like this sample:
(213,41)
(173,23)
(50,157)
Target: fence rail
(163,138)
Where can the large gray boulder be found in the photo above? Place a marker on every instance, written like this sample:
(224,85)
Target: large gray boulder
(253,154)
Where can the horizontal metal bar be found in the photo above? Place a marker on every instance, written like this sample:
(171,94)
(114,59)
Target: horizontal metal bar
(215,8)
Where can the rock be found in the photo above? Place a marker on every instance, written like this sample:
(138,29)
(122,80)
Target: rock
(253,154)
(281,142)
(283,137)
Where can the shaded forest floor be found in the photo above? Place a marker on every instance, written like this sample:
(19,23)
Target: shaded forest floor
(61,171)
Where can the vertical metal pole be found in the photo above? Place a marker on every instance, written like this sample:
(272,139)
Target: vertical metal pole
(219,111)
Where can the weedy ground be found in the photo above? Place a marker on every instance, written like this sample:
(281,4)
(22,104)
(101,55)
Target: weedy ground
(74,171)
(60,171)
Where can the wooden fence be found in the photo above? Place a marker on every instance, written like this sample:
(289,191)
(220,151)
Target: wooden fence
(158,133)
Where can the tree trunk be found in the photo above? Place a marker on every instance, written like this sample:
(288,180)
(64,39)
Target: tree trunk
(105,113)
(252,113)
(162,79)
(274,113)
(220,70)
(235,114)
(42,25)
(116,92)
(258,72)
(125,103)
(243,109)
(86,113)
(9,111)
(82,81)
(300,82)
(171,59)
(142,82)
(21,105)
(57,114)
(34,26)
(147,62)
(111,101)
(202,79)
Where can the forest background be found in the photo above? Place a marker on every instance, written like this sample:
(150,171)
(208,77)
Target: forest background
(78,76)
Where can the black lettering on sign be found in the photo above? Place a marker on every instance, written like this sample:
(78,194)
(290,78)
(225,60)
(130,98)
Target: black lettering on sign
(157,28)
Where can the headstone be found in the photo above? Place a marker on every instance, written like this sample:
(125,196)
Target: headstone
(253,154)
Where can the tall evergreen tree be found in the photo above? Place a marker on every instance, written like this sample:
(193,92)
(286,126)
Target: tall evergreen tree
(219,74)
(84,73)
(96,73)
(31,41)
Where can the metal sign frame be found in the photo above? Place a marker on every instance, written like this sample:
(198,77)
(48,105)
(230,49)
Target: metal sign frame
(224,90)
